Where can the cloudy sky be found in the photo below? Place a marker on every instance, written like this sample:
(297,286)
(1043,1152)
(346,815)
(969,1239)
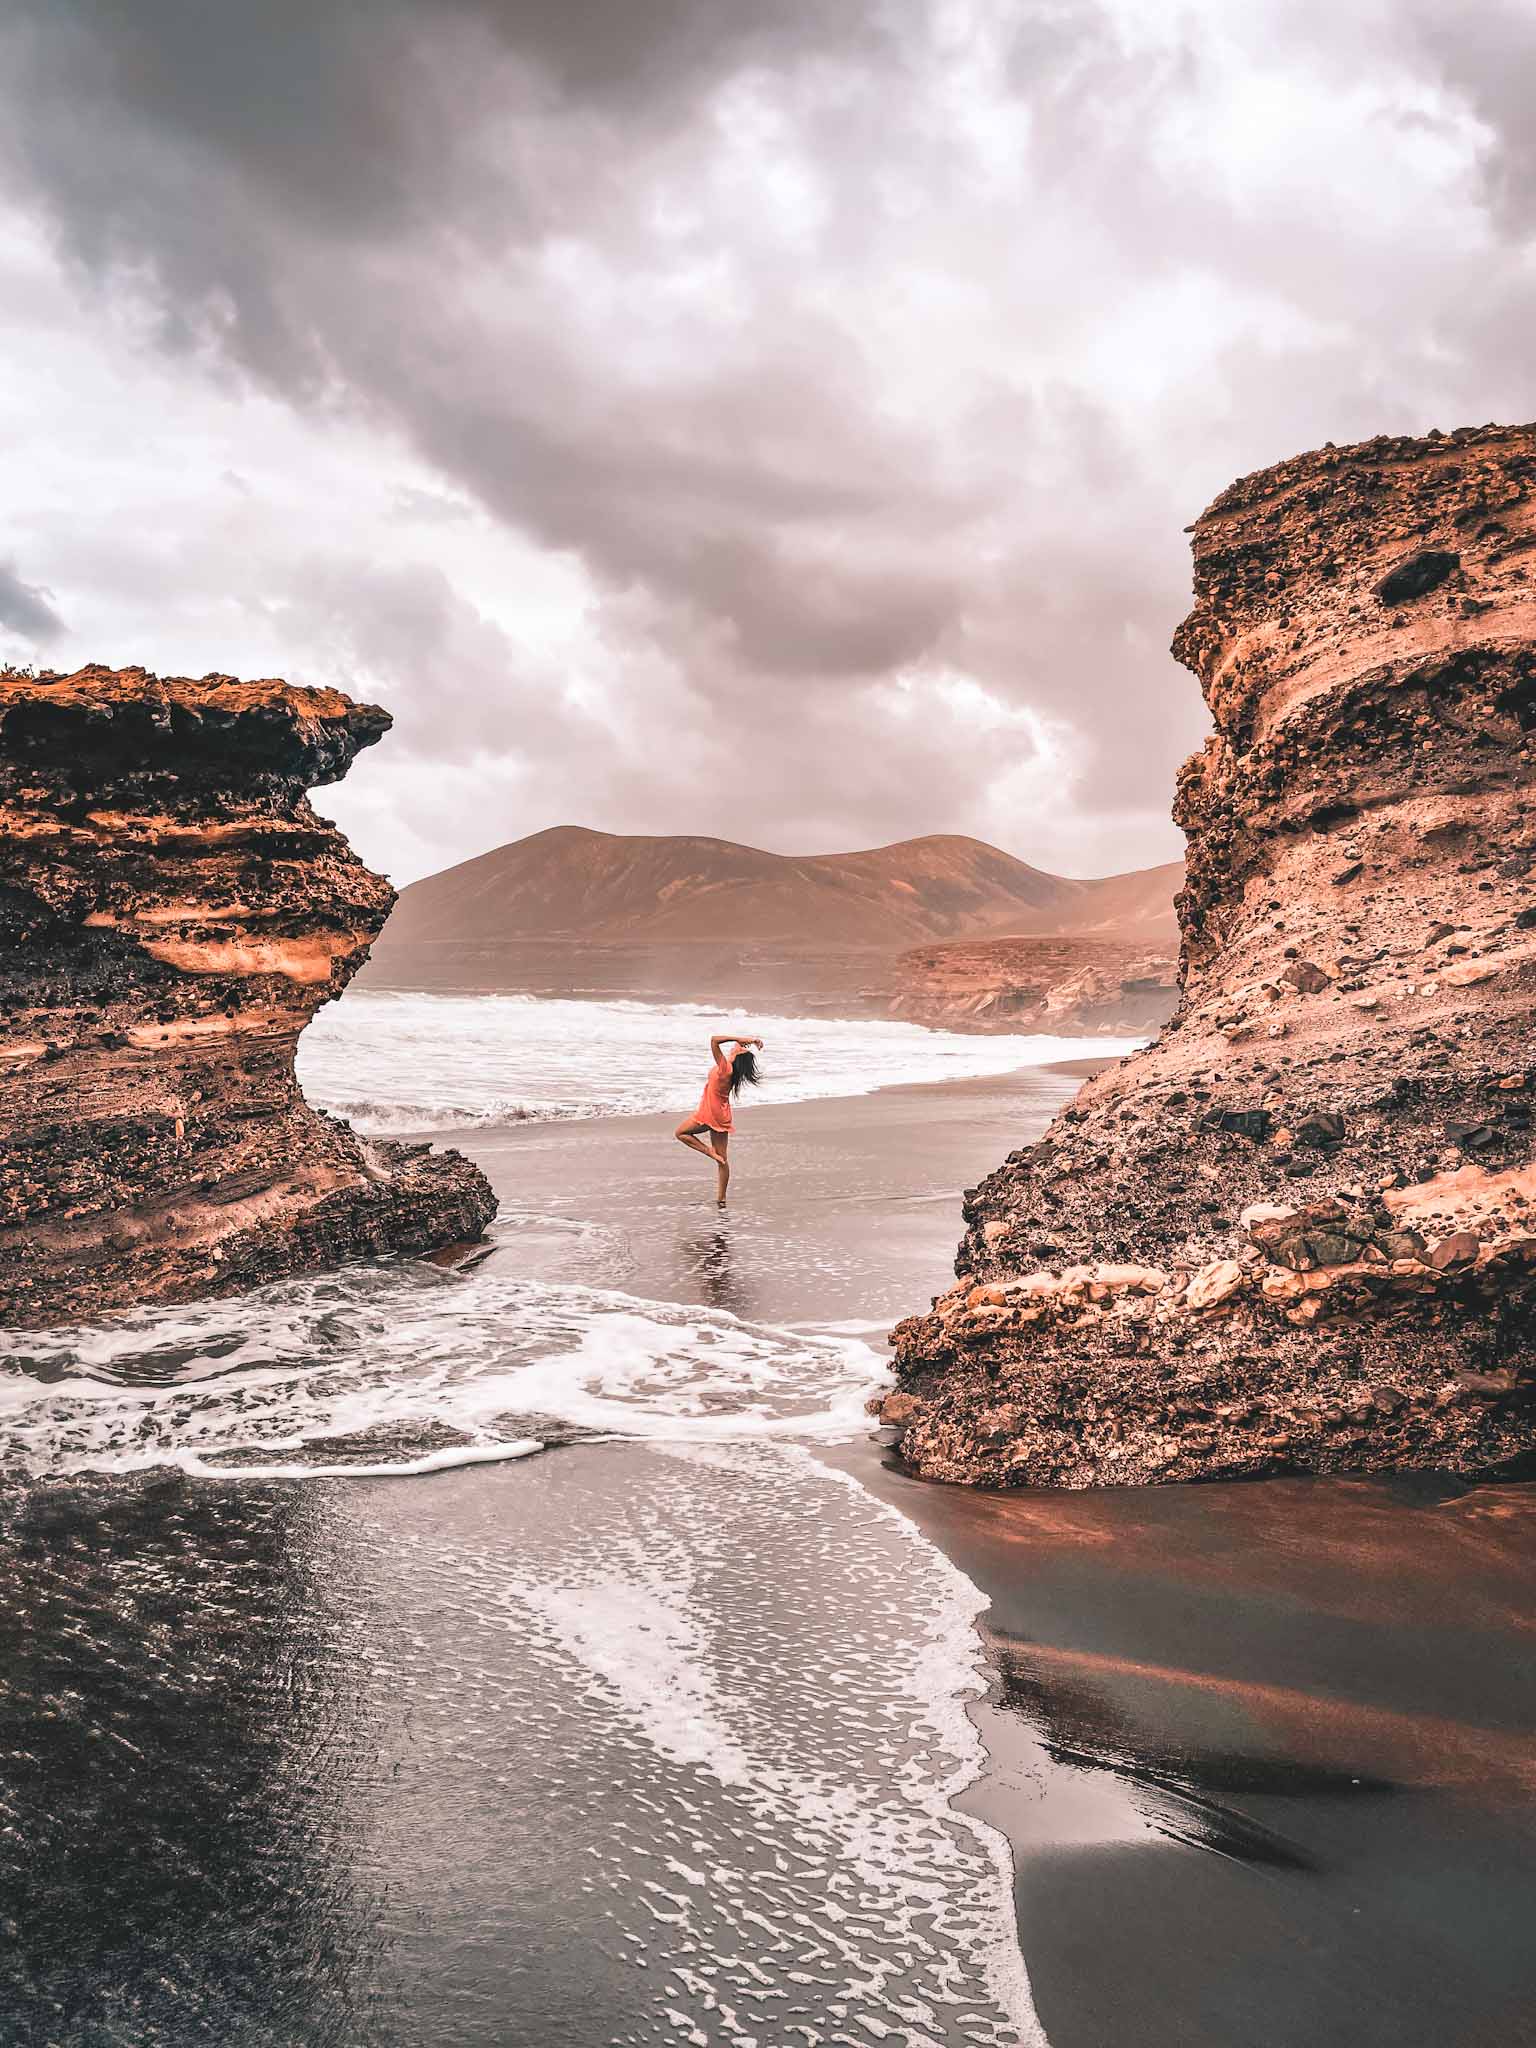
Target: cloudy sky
(774,418)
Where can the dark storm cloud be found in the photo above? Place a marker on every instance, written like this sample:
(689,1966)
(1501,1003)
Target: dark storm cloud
(261,161)
(850,350)
(24,609)
(355,118)
(664,50)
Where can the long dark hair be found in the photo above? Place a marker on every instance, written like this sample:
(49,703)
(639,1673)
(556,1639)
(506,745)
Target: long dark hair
(744,1068)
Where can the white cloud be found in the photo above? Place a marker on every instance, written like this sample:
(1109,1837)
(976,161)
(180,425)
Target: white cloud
(778,423)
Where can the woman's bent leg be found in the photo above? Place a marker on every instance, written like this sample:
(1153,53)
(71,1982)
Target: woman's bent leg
(687,1133)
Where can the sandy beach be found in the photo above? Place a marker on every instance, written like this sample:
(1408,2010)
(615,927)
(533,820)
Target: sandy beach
(1260,1754)
(841,1211)
(1261,1751)
(627,1742)
(1231,1726)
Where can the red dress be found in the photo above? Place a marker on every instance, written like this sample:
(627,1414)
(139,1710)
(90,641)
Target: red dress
(715,1104)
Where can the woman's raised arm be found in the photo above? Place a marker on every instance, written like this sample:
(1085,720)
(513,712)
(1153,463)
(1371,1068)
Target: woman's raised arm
(730,1038)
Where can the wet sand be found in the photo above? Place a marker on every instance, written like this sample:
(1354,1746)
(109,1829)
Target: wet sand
(626,1746)
(1263,1753)
(626,1743)
(842,1211)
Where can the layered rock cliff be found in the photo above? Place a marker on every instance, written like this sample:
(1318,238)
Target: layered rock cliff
(1066,985)
(172,914)
(1299,1231)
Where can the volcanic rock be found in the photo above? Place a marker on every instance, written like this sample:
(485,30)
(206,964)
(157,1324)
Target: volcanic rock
(1357,963)
(172,914)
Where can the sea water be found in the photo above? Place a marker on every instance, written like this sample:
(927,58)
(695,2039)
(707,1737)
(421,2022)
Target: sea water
(404,1368)
(418,1063)
(622,1718)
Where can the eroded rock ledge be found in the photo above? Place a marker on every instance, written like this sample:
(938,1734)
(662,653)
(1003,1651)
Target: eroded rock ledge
(1067,985)
(172,914)
(1298,1232)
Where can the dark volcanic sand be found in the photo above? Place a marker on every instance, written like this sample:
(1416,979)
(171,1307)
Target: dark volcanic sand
(839,1211)
(1263,1752)
(492,1758)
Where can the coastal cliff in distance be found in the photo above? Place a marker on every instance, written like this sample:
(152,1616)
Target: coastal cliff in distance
(1298,1232)
(1071,985)
(172,914)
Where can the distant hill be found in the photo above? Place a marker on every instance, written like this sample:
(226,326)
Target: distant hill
(604,889)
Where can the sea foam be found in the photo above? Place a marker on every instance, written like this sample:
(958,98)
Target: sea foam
(405,1368)
(765,1673)
(394,1062)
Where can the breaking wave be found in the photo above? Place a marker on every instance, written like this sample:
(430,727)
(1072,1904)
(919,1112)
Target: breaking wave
(405,1368)
(394,1063)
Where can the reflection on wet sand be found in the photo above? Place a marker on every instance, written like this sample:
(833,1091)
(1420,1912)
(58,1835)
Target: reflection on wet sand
(709,1254)
(379,1763)
(1262,1753)
(1185,1794)
(1322,1737)
(626,1745)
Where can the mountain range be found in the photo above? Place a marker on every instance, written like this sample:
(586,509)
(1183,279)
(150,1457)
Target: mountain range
(607,889)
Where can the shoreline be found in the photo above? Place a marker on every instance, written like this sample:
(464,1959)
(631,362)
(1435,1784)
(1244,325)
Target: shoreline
(332,1083)
(840,1206)
(1228,1725)
(1215,1734)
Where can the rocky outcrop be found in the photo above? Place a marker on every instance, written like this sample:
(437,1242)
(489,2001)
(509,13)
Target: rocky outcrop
(1064,985)
(1299,1231)
(172,914)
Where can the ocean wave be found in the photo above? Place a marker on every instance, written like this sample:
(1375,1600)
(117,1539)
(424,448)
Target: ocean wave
(398,1119)
(402,1368)
(395,1063)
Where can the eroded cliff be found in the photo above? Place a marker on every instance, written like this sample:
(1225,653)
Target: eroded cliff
(172,914)
(1298,1232)
(1067,985)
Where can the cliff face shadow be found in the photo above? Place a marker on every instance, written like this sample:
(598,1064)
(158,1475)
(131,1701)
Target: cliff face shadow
(1191,1794)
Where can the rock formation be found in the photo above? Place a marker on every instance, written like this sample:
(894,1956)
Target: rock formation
(1066,985)
(172,914)
(1298,1231)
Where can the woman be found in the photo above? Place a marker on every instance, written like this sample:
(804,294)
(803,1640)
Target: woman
(713,1119)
